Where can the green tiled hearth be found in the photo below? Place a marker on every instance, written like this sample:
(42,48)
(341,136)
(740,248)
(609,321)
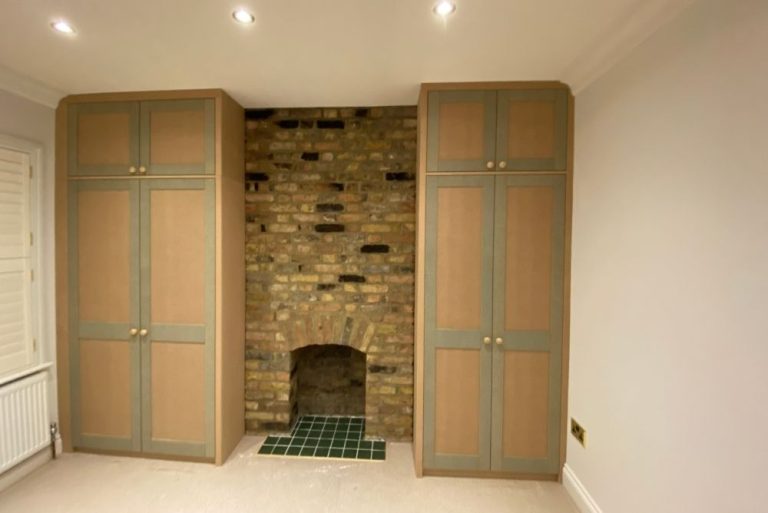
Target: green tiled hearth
(319,436)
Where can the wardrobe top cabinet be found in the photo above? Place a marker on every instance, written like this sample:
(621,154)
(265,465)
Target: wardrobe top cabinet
(512,128)
(151,137)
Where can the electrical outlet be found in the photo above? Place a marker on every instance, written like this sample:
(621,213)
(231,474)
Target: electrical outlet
(578,432)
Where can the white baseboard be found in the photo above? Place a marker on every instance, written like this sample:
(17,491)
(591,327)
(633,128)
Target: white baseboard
(578,493)
(23,469)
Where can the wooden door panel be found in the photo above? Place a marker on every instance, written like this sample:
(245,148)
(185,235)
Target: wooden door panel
(461,130)
(104,294)
(459,259)
(103,139)
(528,321)
(177,137)
(177,260)
(532,129)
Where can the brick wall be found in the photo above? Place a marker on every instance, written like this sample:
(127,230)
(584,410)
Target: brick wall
(330,206)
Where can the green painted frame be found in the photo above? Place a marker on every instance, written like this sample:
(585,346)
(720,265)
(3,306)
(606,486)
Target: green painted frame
(436,98)
(103,331)
(183,334)
(550,341)
(205,105)
(435,338)
(74,110)
(560,99)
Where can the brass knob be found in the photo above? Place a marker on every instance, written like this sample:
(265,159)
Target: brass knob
(499,341)
(132,170)
(502,164)
(143,332)
(489,164)
(486,340)
(142,170)
(134,332)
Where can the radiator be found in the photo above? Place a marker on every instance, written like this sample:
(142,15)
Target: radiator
(23,419)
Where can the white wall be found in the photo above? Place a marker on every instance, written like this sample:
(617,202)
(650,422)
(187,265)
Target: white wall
(32,121)
(669,359)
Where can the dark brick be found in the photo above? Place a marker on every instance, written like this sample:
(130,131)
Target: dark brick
(400,177)
(330,123)
(288,123)
(375,248)
(256,177)
(351,278)
(326,286)
(310,155)
(361,113)
(329,207)
(256,114)
(336,186)
(328,228)
(382,369)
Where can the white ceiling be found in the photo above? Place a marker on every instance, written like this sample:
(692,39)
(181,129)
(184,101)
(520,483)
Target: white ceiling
(317,53)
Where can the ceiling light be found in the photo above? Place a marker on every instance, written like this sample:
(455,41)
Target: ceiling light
(243,16)
(63,27)
(444,8)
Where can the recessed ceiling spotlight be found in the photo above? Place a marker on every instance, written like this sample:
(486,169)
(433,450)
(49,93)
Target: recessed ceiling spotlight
(243,16)
(63,26)
(444,8)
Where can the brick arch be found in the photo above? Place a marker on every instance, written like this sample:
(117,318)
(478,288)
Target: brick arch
(341,329)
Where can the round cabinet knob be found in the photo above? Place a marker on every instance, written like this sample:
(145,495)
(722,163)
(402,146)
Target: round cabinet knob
(132,170)
(499,341)
(142,170)
(134,332)
(486,340)
(489,164)
(503,164)
(143,332)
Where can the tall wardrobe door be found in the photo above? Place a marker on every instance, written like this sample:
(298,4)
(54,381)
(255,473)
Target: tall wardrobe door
(457,366)
(177,311)
(461,130)
(104,293)
(177,137)
(532,129)
(528,322)
(103,139)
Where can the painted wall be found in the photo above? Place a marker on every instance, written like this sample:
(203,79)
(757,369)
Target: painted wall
(32,121)
(669,361)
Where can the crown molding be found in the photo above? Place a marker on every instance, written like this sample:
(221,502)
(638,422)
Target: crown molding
(635,27)
(28,88)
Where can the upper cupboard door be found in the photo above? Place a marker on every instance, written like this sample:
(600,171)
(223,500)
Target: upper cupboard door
(177,137)
(532,130)
(103,139)
(461,131)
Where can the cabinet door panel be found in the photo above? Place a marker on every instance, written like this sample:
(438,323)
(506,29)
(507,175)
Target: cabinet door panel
(532,129)
(177,137)
(177,261)
(103,138)
(104,292)
(528,317)
(459,258)
(461,130)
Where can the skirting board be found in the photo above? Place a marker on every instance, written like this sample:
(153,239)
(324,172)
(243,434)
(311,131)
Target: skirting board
(578,493)
(23,469)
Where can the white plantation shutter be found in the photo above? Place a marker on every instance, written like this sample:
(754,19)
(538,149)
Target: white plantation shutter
(16,346)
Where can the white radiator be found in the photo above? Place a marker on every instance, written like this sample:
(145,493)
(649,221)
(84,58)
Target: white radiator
(23,419)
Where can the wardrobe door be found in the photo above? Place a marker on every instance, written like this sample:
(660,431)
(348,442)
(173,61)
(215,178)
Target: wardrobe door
(104,314)
(177,312)
(177,137)
(458,350)
(461,131)
(528,322)
(532,130)
(103,139)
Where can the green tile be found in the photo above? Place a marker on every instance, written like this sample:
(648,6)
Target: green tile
(284,440)
(339,435)
(338,443)
(280,449)
(307,451)
(266,449)
(379,446)
(335,453)
(350,453)
(324,443)
(315,433)
(322,452)
(364,444)
(378,455)
(364,455)
(293,451)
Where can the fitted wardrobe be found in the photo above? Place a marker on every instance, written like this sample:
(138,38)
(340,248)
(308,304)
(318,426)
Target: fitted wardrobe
(150,273)
(492,266)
